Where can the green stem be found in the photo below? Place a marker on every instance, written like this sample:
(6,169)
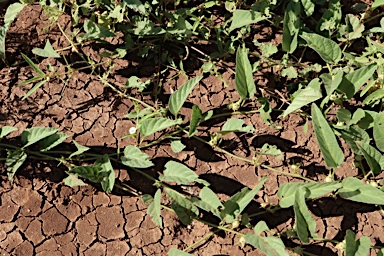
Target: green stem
(204,238)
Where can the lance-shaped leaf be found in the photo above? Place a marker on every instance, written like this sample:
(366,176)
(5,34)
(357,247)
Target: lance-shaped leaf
(353,81)
(326,138)
(106,167)
(52,141)
(309,6)
(34,134)
(378,131)
(236,125)
(305,96)
(133,157)
(80,149)
(5,130)
(374,158)
(209,201)
(182,201)
(291,26)
(355,190)
(178,98)
(177,252)
(47,52)
(328,50)
(154,209)
(93,173)
(332,82)
(152,125)
(177,172)
(354,135)
(305,224)
(245,84)
(356,248)
(270,246)
(13,162)
(242,18)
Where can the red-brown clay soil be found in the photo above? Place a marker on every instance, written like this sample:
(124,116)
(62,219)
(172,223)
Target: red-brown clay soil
(39,215)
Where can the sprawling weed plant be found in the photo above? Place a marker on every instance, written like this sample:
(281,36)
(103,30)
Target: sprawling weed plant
(340,73)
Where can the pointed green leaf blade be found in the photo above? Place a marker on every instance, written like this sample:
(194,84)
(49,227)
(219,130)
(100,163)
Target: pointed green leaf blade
(33,65)
(245,84)
(178,98)
(376,4)
(271,246)
(236,125)
(374,158)
(286,193)
(5,130)
(47,52)
(320,189)
(353,81)
(80,149)
(177,172)
(326,138)
(196,118)
(291,26)
(106,167)
(378,131)
(34,134)
(209,201)
(177,146)
(177,252)
(154,209)
(355,190)
(242,18)
(182,201)
(13,162)
(152,125)
(350,243)
(332,82)
(308,95)
(133,157)
(34,88)
(328,50)
(305,224)
(93,173)
(12,11)
(309,6)
(73,180)
(52,141)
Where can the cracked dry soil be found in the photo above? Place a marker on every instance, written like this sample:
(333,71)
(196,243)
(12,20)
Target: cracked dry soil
(41,216)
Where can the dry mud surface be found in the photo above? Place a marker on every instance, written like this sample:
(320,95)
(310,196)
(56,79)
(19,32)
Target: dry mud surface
(39,215)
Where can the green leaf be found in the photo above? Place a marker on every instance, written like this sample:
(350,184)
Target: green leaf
(315,190)
(245,84)
(5,130)
(331,18)
(176,172)
(196,118)
(328,50)
(34,88)
(33,65)
(177,146)
(289,72)
(150,126)
(265,111)
(355,190)
(177,252)
(353,135)
(12,11)
(326,138)
(309,6)
(135,82)
(355,27)
(353,81)
(133,157)
(52,141)
(94,31)
(291,26)
(242,18)
(343,115)
(183,201)
(374,98)
(178,98)
(106,167)
(73,180)
(13,162)
(332,82)
(93,173)
(47,52)
(376,4)
(378,131)
(373,156)
(236,125)
(235,205)
(360,247)
(34,134)
(286,193)
(154,209)
(137,6)
(209,201)
(80,149)
(305,224)
(270,246)
(305,96)
(260,227)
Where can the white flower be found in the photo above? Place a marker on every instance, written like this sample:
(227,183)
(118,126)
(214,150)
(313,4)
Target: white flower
(132,130)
